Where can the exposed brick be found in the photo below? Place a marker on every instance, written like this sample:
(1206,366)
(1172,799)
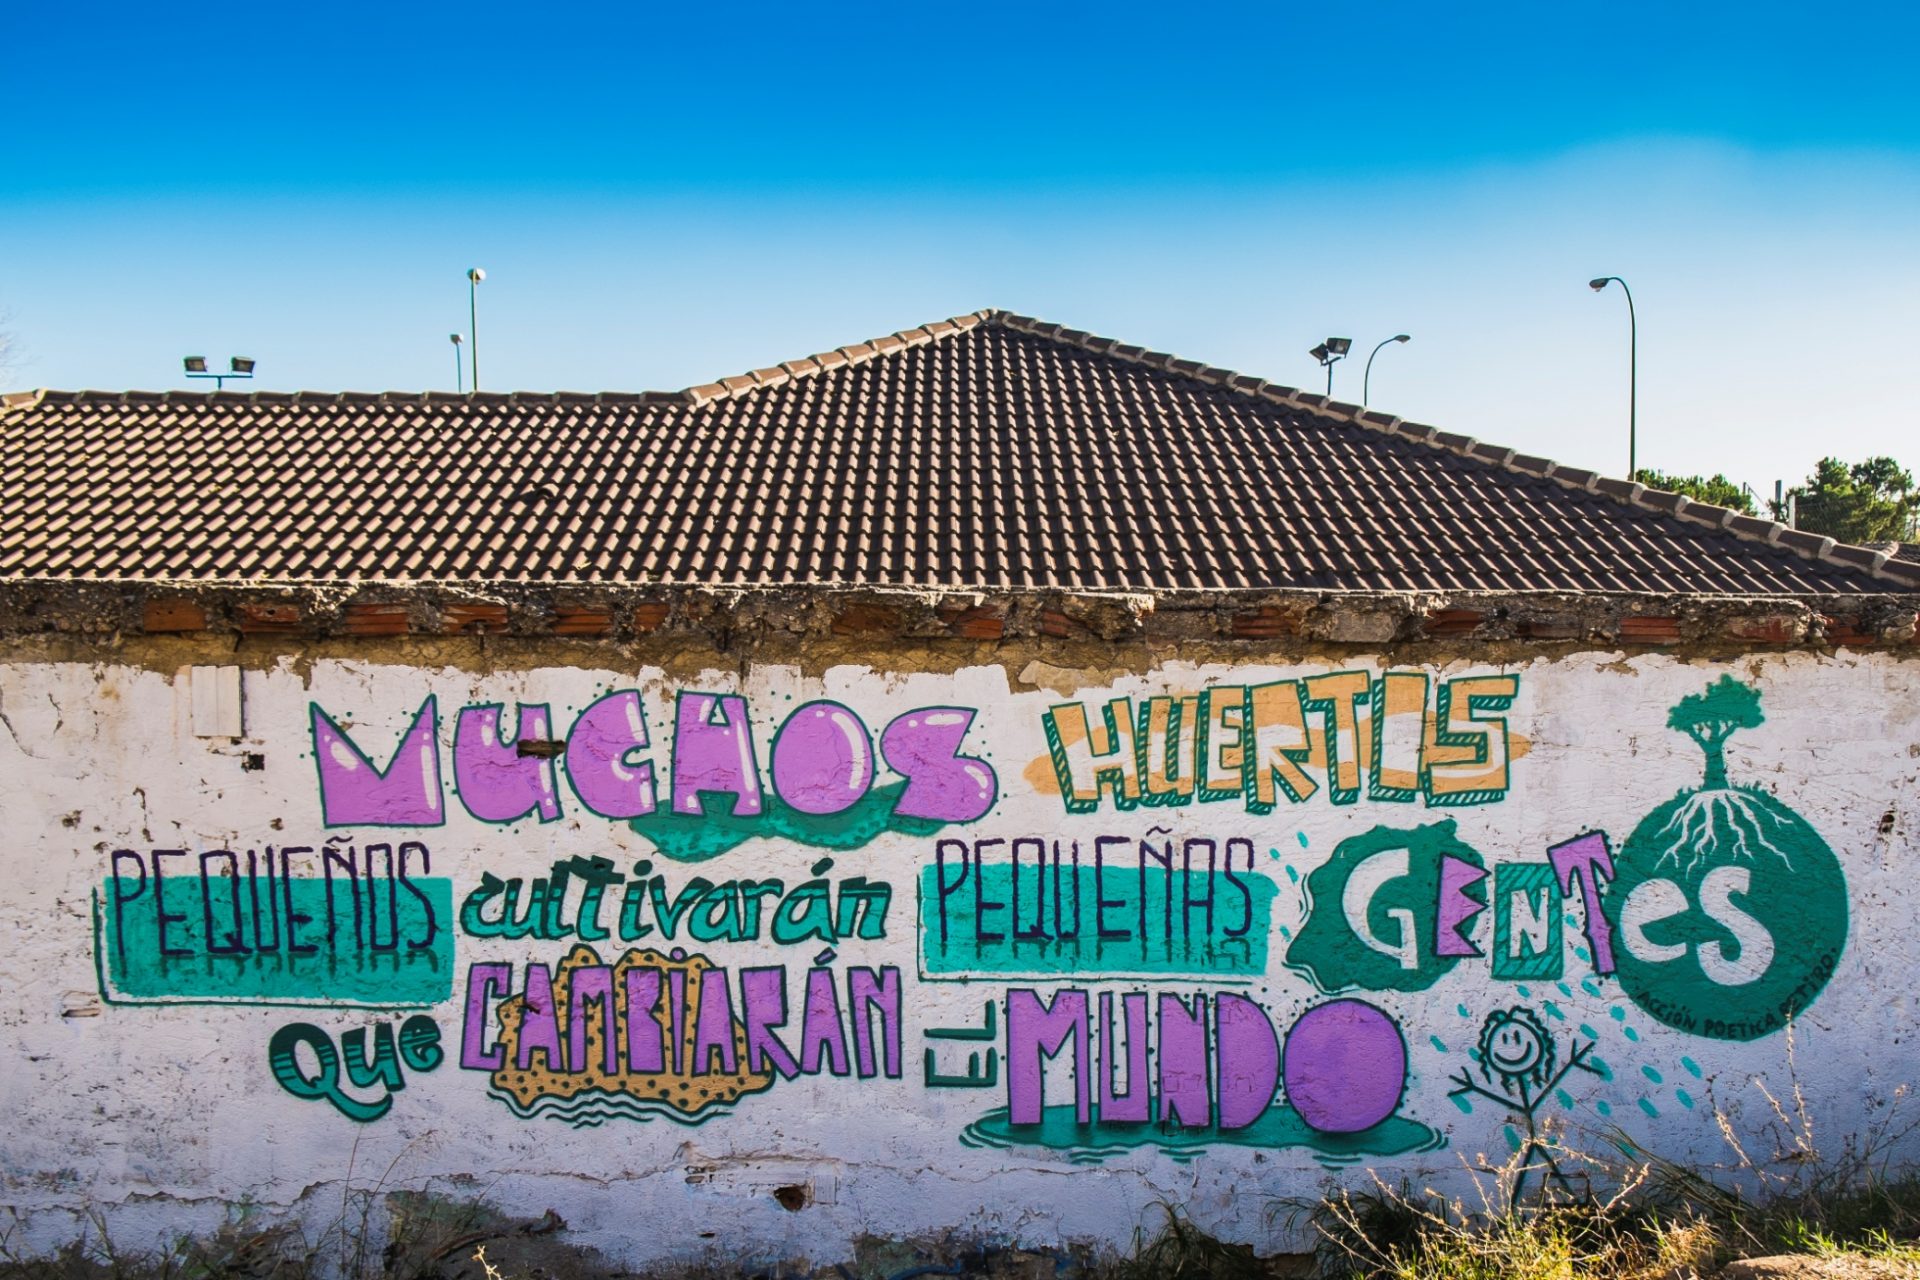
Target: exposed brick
(1453,622)
(1774,628)
(369,619)
(269,619)
(1058,625)
(979,622)
(866,619)
(650,616)
(581,620)
(458,616)
(1846,629)
(1644,628)
(1265,623)
(173,615)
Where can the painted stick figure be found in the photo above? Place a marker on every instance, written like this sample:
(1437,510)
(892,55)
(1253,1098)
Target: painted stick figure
(1518,1054)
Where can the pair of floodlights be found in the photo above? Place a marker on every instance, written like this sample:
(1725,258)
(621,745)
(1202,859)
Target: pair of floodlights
(237,367)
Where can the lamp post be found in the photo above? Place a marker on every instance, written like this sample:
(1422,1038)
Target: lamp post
(1633,369)
(1366,379)
(474,276)
(1330,353)
(459,370)
(237,367)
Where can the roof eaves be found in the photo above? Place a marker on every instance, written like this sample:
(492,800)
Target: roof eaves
(1630,493)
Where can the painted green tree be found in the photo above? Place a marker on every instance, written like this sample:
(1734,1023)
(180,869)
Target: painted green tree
(1710,717)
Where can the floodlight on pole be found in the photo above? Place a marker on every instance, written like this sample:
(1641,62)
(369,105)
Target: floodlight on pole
(1330,353)
(1366,379)
(459,369)
(1633,369)
(474,276)
(237,367)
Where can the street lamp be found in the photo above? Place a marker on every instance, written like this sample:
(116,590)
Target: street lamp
(459,370)
(237,367)
(474,276)
(1633,369)
(1329,353)
(1366,379)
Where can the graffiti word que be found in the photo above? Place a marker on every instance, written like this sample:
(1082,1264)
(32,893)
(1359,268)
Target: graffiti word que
(578,897)
(342,923)
(822,762)
(418,1049)
(1194,905)
(1286,741)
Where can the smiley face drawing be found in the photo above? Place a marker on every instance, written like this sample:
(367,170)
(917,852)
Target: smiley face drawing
(1518,1054)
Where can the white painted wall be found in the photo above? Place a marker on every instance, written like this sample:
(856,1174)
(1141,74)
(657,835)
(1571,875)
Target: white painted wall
(166,1114)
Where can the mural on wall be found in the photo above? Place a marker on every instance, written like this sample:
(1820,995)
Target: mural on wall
(1318,912)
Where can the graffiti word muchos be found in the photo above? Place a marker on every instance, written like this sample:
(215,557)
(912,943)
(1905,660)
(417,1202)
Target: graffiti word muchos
(822,761)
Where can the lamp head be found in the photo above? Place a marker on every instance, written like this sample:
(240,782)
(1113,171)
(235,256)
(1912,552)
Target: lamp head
(1598,285)
(476,275)
(1319,353)
(1403,337)
(242,365)
(195,364)
(1339,346)
(455,339)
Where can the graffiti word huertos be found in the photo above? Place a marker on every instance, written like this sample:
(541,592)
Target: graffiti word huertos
(670,1035)
(1395,737)
(822,763)
(335,923)
(589,899)
(1118,904)
(418,1049)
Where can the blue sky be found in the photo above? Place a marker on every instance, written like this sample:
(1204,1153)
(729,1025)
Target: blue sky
(661,197)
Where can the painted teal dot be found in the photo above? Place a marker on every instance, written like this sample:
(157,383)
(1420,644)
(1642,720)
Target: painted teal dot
(1286,934)
(1438,1043)
(1462,1011)
(1693,1068)
(1274,854)
(1292,875)
(1599,1064)
(1513,1139)
(1619,1014)
(1586,985)
(1653,1075)
(1589,1032)
(1553,1010)
(1633,1035)
(1566,1099)
(1524,993)
(1604,1107)
(1572,921)
(1301,836)
(1686,1100)
(1649,1108)
(1461,1101)
(1586,956)
(1566,990)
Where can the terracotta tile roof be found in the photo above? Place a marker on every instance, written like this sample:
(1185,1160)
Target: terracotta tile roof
(986,451)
